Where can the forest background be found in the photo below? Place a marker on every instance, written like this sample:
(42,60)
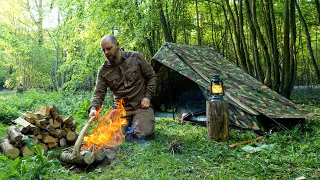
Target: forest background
(53,45)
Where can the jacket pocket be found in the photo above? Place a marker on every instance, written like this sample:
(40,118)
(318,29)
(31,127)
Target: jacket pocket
(114,81)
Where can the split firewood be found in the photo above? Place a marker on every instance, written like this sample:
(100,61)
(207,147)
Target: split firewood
(39,136)
(15,136)
(44,146)
(68,120)
(24,125)
(49,139)
(35,131)
(34,115)
(42,123)
(50,129)
(9,149)
(54,123)
(52,145)
(71,136)
(27,118)
(34,139)
(62,142)
(67,129)
(54,112)
(43,110)
(26,151)
(60,133)
(60,118)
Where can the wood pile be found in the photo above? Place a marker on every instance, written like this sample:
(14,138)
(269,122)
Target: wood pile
(44,127)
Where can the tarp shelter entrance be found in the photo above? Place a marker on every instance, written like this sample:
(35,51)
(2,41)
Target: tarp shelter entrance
(184,73)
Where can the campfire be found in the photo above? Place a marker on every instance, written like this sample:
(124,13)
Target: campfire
(102,142)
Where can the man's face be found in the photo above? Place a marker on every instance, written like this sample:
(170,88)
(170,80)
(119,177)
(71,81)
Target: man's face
(109,50)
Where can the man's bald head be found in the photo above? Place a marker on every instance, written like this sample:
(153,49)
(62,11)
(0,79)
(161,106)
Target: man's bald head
(109,38)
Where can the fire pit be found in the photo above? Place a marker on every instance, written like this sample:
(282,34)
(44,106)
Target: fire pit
(102,143)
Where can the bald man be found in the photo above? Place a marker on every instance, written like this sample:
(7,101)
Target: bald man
(131,78)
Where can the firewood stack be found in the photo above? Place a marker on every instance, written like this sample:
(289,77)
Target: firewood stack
(44,127)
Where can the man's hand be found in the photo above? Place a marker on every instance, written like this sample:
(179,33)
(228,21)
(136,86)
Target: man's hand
(145,103)
(92,113)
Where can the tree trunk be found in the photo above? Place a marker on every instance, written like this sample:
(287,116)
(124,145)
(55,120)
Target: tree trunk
(311,54)
(198,25)
(286,52)
(255,52)
(318,10)
(274,47)
(263,44)
(239,50)
(163,22)
(243,41)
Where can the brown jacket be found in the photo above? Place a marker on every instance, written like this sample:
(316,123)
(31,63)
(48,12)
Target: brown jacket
(131,80)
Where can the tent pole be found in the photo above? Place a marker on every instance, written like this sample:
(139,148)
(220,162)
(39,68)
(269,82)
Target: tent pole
(170,92)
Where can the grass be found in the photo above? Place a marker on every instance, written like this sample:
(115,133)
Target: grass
(286,154)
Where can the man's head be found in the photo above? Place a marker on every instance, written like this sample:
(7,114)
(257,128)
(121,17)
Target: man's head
(110,47)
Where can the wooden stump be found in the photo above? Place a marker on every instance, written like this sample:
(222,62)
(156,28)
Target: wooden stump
(217,120)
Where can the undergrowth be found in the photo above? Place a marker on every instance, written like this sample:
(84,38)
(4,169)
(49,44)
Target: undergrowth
(286,154)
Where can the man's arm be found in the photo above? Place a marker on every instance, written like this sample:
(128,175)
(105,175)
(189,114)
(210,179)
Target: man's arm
(99,94)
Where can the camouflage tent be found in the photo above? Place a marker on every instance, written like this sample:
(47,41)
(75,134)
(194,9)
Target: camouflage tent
(184,73)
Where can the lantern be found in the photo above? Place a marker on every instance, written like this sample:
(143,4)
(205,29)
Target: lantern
(217,88)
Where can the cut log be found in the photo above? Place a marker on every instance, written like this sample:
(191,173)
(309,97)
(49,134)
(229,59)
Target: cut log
(39,136)
(84,157)
(49,139)
(25,151)
(100,154)
(52,145)
(44,146)
(43,110)
(71,136)
(15,135)
(9,149)
(24,125)
(68,120)
(42,123)
(27,118)
(76,156)
(110,153)
(67,129)
(217,120)
(60,133)
(34,139)
(54,123)
(63,142)
(34,115)
(54,112)
(50,129)
(60,118)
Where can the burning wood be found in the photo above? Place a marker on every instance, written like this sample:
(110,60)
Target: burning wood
(44,127)
(102,143)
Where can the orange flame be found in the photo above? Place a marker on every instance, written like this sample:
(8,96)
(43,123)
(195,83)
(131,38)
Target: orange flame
(108,132)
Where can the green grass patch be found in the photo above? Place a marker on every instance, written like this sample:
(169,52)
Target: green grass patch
(283,155)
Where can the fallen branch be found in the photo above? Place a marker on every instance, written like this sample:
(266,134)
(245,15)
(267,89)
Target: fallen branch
(244,142)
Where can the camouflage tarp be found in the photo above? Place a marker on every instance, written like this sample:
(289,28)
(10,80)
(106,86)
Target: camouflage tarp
(245,93)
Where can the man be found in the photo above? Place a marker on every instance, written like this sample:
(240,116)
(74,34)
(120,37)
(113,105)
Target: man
(131,78)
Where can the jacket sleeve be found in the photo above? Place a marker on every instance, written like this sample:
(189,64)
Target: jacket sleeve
(99,94)
(150,77)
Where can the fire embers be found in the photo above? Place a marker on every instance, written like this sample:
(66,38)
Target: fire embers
(108,131)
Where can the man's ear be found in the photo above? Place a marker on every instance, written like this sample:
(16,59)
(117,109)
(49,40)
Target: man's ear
(117,44)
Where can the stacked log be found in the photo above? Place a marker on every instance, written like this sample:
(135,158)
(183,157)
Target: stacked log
(45,127)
